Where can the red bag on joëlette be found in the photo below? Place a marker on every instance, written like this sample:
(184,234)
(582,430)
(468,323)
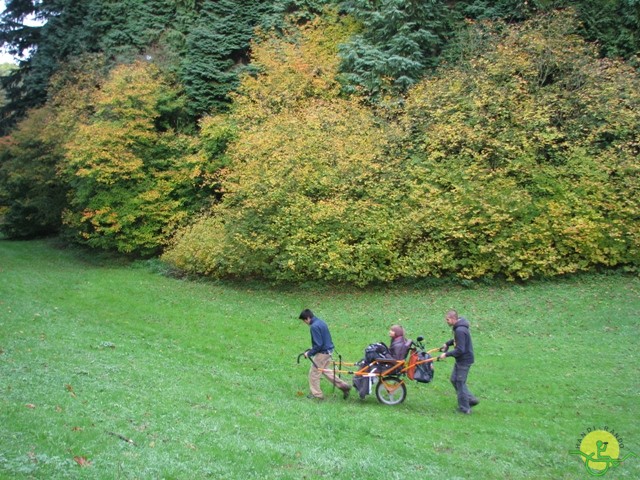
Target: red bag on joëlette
(413,358)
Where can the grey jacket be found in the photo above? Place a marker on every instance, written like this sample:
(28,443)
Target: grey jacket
(463,346)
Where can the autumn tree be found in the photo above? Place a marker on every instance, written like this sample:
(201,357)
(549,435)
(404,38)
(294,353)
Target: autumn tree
(32,192)
(302,187)
(524,158)
(518,161)
(133,176)
(216,50)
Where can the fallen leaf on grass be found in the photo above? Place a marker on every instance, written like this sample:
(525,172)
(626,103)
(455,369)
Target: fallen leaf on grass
(32,456)
(82,461)
(299,393)
(30,405)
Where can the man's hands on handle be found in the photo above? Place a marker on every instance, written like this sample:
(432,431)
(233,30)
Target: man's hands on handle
(443,349)
(303,354)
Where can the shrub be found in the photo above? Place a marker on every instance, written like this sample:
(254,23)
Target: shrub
(518,161)
(525,157)
(31,190)
(133,177)
(303,189)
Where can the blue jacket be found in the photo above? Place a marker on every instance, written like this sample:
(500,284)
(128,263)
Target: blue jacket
(320,337)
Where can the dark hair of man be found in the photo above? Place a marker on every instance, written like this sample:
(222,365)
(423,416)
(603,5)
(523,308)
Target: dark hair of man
(306,314)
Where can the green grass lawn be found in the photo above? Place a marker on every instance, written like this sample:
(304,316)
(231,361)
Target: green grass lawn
(202,377)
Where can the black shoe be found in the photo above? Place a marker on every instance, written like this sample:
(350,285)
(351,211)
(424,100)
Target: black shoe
(345,392)
(313,397)
(473,403)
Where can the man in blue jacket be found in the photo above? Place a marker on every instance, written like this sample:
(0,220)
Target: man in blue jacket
(321,350)
(463,353)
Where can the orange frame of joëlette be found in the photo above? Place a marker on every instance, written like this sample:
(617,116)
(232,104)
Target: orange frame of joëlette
(395,368)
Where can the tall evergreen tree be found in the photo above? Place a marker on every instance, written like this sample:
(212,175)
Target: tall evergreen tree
(68,28)
(399,42)
(18,38)
(205,41)
(218,45)
(614,25)
(217,48)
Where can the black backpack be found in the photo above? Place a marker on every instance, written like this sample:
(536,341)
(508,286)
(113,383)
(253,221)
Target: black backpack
(376,351)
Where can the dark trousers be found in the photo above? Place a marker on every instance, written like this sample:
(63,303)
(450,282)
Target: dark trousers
(459,382)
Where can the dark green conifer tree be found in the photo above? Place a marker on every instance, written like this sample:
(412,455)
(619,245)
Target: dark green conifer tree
(401,40)
(217,45)
(216,50)
(66,29)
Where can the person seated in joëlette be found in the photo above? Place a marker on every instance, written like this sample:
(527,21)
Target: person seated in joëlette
(399,344)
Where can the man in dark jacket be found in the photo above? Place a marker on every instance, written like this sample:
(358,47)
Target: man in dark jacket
(321,350)
(463,353)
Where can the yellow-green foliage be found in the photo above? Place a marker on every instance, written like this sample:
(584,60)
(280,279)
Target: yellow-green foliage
(31,190)
(301,198)
(527,158)
(521,161)
(132,182)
